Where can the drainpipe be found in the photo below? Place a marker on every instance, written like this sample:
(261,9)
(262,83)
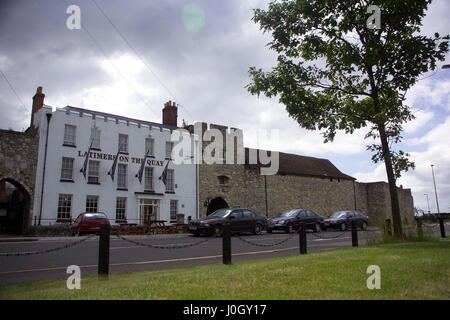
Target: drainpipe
(49,116)
(265,190)
(354,194)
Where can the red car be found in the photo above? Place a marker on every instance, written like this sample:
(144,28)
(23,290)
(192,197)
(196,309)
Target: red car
(88,223)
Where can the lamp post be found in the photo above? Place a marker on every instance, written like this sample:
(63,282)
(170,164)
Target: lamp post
(435,192)
(428,202)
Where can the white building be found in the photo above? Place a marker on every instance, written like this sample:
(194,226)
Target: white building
(63,192)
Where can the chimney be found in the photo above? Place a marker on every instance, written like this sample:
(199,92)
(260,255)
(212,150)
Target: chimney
(38,102)
(170,114)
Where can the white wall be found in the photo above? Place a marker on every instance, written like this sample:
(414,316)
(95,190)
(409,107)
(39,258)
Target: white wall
(185,175)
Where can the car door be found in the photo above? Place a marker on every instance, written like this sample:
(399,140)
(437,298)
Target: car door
(311,218)
(303,218)
(236,223)
(248,220)
(351,217)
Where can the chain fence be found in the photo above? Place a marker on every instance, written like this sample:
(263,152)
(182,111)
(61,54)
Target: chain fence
(317,235)
(266,245)
(172,246)
(31,253)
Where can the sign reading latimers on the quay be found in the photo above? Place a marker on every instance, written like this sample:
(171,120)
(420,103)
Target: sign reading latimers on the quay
(122,158)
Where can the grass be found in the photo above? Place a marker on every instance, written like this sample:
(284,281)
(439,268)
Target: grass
(412,270)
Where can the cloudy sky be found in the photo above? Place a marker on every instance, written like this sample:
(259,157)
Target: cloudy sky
(130,57)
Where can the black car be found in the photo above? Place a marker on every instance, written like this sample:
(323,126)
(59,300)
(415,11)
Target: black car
(342,220)
(290,220)
(240,220)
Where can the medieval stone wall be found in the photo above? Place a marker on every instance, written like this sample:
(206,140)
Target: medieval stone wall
(18,159)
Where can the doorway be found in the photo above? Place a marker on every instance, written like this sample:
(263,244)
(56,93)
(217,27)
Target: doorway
(216,204)
(149,209)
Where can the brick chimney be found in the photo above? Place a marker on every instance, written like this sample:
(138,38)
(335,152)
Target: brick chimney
(38,102)
(170,114)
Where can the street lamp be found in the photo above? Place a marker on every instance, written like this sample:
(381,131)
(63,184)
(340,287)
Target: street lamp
(428,202)
(435,192)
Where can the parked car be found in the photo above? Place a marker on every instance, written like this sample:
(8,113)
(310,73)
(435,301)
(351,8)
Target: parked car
(290,220)
(88,223)
(342,220)
(240,220)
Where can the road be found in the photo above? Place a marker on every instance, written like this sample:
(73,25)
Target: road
(129,257)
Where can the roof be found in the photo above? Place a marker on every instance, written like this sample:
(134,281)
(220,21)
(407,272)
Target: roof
(292,164)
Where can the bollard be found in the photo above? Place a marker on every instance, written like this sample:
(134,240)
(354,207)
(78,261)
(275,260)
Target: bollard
(226,244)
(419,229)
(354,235)
(442,227)
(103,251)
(302,238)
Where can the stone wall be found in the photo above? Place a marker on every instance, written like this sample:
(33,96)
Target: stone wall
(18,159)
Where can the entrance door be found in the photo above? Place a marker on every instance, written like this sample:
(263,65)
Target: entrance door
(148,209)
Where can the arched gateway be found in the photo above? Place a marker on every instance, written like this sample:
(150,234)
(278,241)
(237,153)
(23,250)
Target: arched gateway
(15,204)
(216,204)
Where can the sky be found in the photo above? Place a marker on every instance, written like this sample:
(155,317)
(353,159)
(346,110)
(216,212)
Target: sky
(130,57)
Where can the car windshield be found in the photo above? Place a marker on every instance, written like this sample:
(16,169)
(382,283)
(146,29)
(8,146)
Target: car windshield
(338,214)
(94,216)
(288,213)
(221,213)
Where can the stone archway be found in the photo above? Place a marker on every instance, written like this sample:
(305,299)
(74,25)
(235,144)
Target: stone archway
(216,204)
(15,205)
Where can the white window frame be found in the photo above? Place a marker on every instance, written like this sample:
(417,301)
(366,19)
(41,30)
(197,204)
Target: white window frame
(94,172)
(92,202)
(122,175)
(64,211)
(169,148)
(70,134)
(148,179)
(121,209)
(123,143)
(67,168)
(151,148)
(95,137)
(173,210)
(170,182)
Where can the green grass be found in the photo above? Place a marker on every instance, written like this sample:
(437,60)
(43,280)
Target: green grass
(413,270)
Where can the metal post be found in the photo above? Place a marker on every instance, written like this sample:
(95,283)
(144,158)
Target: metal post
(226,244)
(442,227)
(302,238)
(354,235)
(103,251)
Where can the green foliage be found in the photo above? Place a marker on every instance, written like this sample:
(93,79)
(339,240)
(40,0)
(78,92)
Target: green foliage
(336,73)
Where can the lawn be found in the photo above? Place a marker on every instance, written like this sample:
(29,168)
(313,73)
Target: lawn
(413,270)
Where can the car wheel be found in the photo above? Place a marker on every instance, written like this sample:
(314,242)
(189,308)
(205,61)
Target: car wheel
(218,230)
(317,228)
(364,226)
(288,228)
(324,228)
(257,229)
(343,226)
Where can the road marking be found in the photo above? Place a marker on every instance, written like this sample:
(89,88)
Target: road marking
(156,261)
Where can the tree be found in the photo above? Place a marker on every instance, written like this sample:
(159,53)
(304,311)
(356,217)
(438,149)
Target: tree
(337,71)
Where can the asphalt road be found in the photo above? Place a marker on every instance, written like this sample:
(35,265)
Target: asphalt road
(129,257)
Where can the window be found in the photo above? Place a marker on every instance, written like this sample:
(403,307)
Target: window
(67,169)
(122,176)
(148,178)
(123,143)
(64,207)
(121,209)
(91,203)
(95,137)
(248,214)
(93,172)
(69,135)
(223,180)
(173,210)
(149,146)
(169,147)
(170,180)
(237,214)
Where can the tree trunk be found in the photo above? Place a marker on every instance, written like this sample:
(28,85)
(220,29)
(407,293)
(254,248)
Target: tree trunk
(395,206)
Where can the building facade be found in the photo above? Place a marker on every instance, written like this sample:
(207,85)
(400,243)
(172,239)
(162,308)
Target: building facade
(94,162)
